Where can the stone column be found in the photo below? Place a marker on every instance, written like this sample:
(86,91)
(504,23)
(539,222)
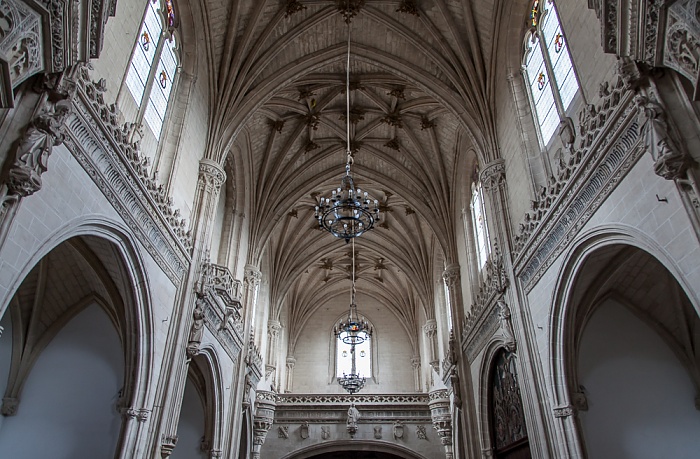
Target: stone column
(439,403)
(451,278)
(415,363)
(430,330)
(263,419)
(273,332)
(291,361)
(493,181)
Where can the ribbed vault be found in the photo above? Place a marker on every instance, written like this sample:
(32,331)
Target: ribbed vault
(419,97)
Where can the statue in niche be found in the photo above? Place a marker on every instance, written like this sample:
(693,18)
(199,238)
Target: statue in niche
(197,329)
(506,325)
(670,161)
(353,416)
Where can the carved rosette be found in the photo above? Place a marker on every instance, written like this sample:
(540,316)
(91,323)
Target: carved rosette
(493,175)
(211,175)
(442,417)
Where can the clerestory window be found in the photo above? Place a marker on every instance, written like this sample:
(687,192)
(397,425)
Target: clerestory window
(154,65)
(479,226)
(548,69)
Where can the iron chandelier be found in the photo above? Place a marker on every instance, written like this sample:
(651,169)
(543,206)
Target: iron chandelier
(349,211)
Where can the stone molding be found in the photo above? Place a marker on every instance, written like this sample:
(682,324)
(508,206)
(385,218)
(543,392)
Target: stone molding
(102,147)
(368,399)
(609,146)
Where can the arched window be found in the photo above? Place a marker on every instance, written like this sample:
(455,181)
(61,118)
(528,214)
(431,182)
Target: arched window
(548,69)
(154,65)
(481,231)
(363,358)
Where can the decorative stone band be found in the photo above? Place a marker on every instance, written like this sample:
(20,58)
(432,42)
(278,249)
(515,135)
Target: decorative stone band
(346,400)
(101,147)
(602,167)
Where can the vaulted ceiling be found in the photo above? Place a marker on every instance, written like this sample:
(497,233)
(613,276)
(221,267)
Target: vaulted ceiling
(421,101)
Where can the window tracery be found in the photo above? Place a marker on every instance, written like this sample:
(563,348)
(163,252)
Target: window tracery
(154,64)
(548,69)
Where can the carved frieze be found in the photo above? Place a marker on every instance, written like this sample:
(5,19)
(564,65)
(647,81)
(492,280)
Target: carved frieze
(608,147)
(103,148)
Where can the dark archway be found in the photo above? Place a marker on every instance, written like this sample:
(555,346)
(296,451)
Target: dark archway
(508,430)
(356,455)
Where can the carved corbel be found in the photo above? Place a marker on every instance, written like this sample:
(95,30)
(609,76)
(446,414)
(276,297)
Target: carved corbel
(167,445)
(45,131)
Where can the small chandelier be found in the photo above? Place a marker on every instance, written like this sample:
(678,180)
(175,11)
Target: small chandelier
(353,330)
(349,211)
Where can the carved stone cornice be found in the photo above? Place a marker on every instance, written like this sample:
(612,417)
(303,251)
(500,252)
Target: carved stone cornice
(103,148)
(494,284)
(609,145)
(332,409)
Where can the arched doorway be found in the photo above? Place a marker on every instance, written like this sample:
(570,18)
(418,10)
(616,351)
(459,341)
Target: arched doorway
(635,357)
(355,450)
(507,418)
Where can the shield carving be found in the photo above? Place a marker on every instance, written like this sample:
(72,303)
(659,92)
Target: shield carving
(398,430)
(304,431)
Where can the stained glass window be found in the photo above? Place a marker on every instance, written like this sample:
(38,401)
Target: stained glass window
(481,232)
(153,65)
(548,68)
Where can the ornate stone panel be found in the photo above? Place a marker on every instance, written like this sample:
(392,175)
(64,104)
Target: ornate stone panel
(21,38)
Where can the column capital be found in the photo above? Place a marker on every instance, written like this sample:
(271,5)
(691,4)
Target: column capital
(211,173)
(252,276)
(451,275)
(493,175)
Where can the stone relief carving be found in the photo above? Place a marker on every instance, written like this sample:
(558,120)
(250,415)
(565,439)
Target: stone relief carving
(283,432)
(506,326)
(304,431)
(421,433)
(197,329)
(20,40)
(670,160)
(398,430)
(353,417)
(325,432)
(378,432)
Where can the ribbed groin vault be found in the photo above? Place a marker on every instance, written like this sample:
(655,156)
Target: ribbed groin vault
(531,285)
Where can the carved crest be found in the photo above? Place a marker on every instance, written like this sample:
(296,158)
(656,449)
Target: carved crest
(398,430)
(304,431)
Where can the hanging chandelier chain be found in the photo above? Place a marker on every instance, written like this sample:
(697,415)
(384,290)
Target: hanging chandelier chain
(347,105)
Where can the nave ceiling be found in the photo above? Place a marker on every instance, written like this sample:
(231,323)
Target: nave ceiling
(421,99)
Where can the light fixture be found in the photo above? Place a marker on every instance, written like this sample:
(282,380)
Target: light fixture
(353,330)
(349,211)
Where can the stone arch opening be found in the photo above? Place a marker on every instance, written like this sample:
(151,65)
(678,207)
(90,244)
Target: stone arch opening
(355,450)
(75,328)
(631,362)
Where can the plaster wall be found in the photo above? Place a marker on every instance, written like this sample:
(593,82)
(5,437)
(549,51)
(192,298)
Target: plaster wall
(69,398)
(622,361)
